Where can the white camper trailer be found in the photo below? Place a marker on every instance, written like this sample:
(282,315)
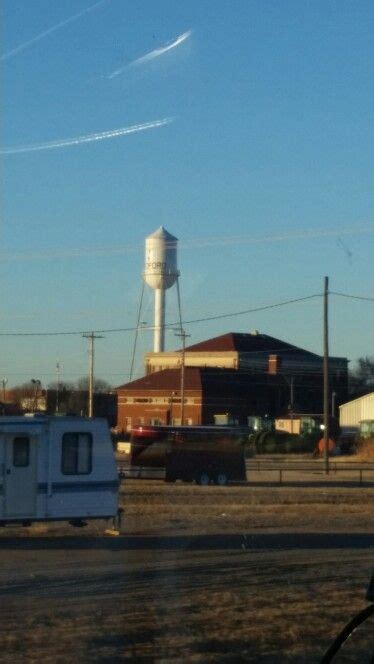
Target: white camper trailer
(56,468)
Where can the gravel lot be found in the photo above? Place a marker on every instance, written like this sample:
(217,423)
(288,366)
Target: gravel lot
(199,574)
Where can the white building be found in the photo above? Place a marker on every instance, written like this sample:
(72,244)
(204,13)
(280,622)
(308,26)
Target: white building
(354,412)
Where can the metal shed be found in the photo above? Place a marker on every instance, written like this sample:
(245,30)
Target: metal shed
(353,412)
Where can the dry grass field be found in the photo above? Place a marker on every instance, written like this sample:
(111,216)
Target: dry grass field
(199,574)
(366,450)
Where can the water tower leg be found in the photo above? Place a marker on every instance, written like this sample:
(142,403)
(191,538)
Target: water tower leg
(159,336)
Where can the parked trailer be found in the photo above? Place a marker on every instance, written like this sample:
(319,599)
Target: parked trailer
(202,454)
(56,468)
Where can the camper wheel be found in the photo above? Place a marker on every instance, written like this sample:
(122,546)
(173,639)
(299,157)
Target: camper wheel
(221,479)
(203,478)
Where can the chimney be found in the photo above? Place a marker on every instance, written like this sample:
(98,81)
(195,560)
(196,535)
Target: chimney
(273,364)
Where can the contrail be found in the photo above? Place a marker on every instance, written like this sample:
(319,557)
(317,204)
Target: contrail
(30,42)
(193,243)
(347,251)
(153,54)
(78,140)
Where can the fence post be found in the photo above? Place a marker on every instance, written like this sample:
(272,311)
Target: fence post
(360,475)
(280,475)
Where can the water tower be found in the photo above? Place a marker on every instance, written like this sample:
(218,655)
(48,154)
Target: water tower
(160,273)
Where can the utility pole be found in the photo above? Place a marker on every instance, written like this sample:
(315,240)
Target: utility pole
(37,384)
(292,401)
(333,407)
(4,382)
(57,387)
(326,400)
(171,408)
(91,358)
(182,334)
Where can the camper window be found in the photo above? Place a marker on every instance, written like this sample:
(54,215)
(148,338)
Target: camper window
(76,456)
(21,452)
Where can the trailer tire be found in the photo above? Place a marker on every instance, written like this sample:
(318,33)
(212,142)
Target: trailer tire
(221,479)
(203,478)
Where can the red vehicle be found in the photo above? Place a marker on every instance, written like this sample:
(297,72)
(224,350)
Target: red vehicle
(193,454)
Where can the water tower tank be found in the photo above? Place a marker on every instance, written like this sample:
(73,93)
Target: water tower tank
(160,270)
(160,273)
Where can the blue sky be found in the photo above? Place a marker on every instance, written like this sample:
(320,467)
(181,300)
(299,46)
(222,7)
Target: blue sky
(272,136)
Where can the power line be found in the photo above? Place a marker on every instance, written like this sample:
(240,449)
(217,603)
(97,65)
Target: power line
(353,297)
(63,334)
(169,325)
(250,311)
(192,321)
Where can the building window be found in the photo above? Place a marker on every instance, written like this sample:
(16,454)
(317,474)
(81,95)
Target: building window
(76,458)
(142,400)
(21,452)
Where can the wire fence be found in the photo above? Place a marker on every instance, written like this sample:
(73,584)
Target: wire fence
(298,472)
(278,472)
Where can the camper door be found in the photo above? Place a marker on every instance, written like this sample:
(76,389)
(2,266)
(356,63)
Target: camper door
(20,458)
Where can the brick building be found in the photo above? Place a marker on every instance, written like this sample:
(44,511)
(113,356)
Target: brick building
(228,379)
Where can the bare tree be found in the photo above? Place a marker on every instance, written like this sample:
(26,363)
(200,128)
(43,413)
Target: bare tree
(58,396)
(28,396)
(100,385)
(361,377)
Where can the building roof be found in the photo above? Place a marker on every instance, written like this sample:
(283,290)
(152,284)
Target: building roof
(364,397)
(246,343)
(195,378)
(168,379)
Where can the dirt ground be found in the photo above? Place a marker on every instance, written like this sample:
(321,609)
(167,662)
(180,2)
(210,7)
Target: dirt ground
(199,574)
